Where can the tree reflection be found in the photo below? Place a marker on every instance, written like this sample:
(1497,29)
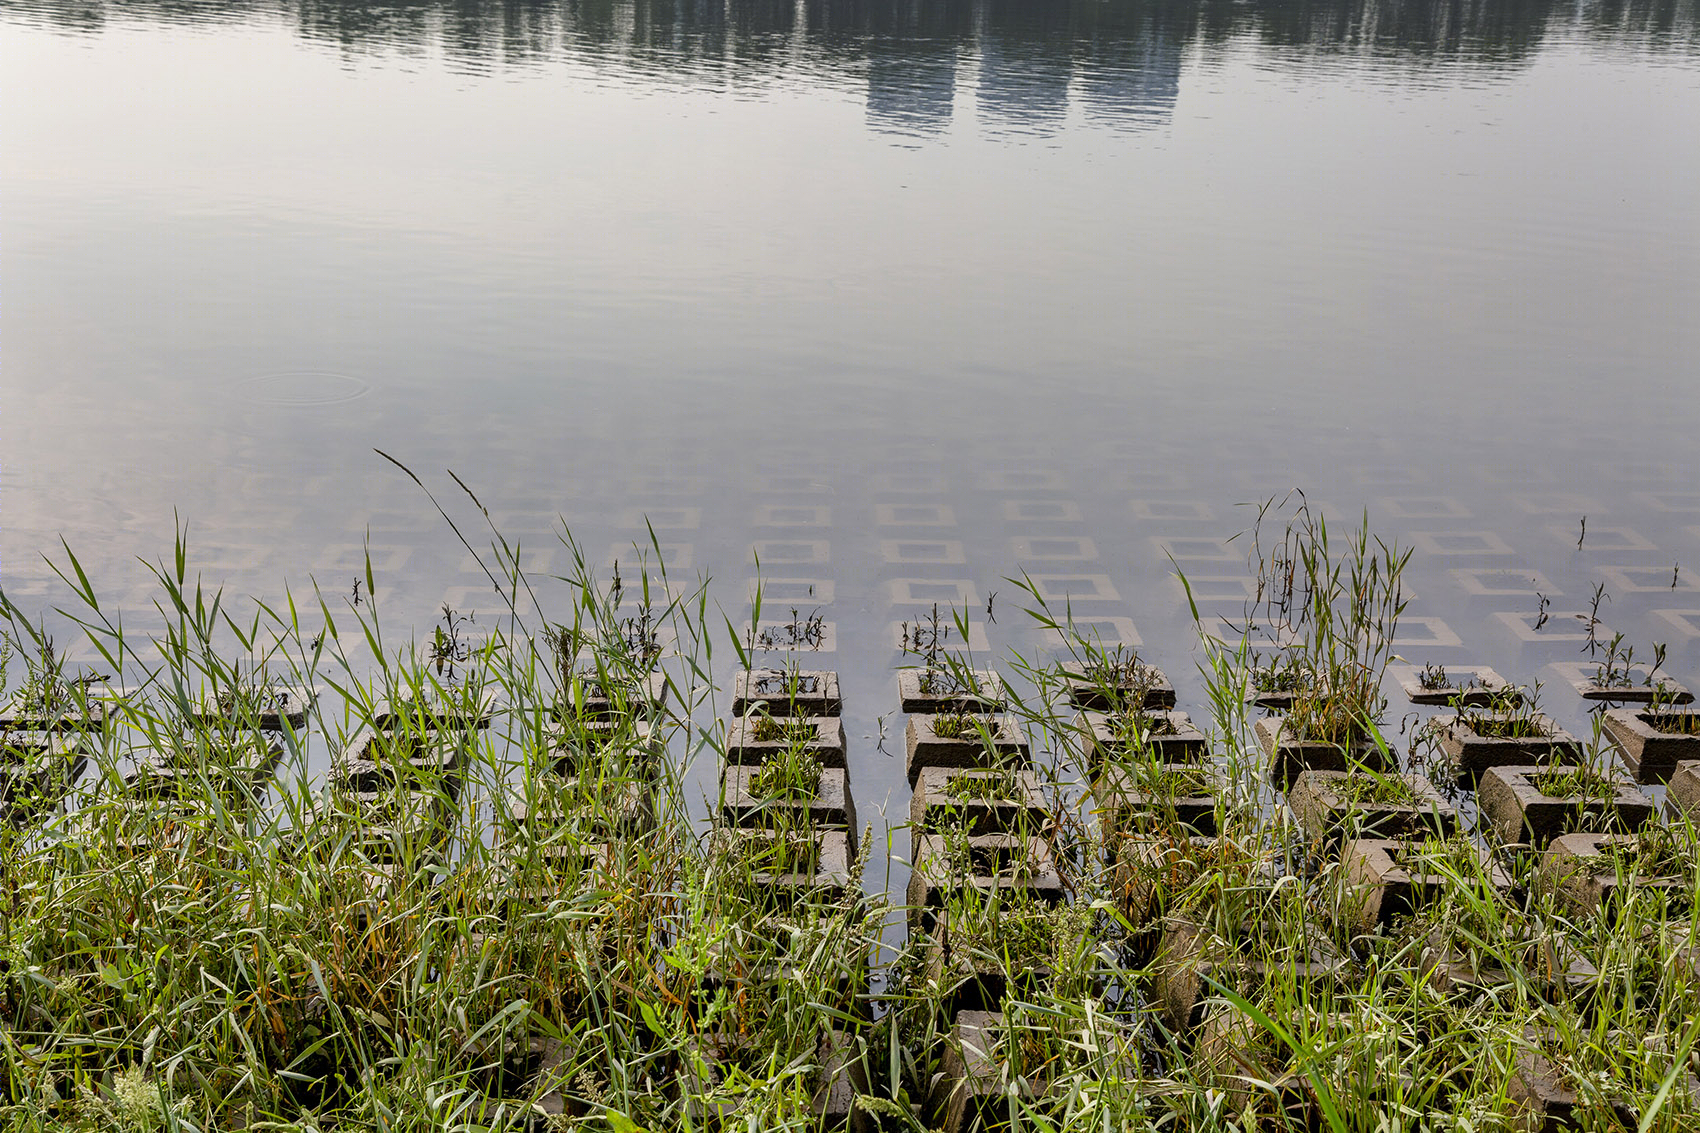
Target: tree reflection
(1027,61)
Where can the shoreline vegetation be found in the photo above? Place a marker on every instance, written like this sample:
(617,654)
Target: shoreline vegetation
(498,909)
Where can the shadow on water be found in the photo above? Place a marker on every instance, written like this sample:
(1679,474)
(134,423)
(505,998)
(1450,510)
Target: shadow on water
(1119,61)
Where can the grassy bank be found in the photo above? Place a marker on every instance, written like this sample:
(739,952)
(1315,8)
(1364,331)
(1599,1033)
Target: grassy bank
(497,910)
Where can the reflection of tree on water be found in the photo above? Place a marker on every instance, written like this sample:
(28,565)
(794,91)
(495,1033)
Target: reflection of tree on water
(1120,58)
(910,90)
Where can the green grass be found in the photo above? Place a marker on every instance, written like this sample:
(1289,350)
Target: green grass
(290,956)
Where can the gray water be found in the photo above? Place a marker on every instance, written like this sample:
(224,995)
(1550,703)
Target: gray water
(906,298)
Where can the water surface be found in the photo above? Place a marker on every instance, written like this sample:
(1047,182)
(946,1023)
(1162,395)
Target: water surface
(906,298)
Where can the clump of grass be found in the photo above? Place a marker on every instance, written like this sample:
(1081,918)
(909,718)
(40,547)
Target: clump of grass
(782,729)
(961,725)
(1574,782)
(1370,789)
(1000,785)
(793,773)
(1170,781)
(1136,729)
(1284,675)
(1433,677)
(1674,723)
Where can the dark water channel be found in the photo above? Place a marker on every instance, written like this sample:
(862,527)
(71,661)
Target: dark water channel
(903,298)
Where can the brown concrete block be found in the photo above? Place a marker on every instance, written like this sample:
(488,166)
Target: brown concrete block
(1331,805)
(1289,755)
(1471,686)
(1191,955)
(939,690)
(1519,811)
(1682,792)
(779,692)
(1654,743)
(754,740)
(972,1093)
(1160,734)
(967,741)
(1476,741)
(976,800)
(788,867)
(1590,870)
(996,862)
(1388,878)
(1140,688)
(829,804)
(1131,800)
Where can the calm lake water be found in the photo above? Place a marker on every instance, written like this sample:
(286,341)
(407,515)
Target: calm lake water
(905,297)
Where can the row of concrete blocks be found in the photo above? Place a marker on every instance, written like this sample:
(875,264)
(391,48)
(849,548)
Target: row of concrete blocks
(969,769)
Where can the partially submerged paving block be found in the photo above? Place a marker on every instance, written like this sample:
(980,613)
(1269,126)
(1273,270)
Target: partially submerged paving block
(752,957)
(976,1078)
(1388,877)
(1120,688)
(1331,805)
(1010,863)
(1193,955)
(77,708)
(1653,742)
(1459,965)
(1536,804)
(941,690)
(975,801)
(961,740)
(387,825)
(759,738)
(785,867)
(608,806)
(1477,741)
(787,692)
(1130,800)
(566,864)
(1591,870)
(1250,1065)
(1537,1088)
(1592,682)
(1682,792)
(1290,754)
(1107,739)
(1468,686)
(753,796)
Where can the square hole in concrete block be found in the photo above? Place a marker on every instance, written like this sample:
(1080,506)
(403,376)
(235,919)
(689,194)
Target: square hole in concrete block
(792,551)
(1073,548)
(1017,511)
(1075,587)
(914,515)
(1460,543)
(926,591)
(929,551)
(1504,581)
